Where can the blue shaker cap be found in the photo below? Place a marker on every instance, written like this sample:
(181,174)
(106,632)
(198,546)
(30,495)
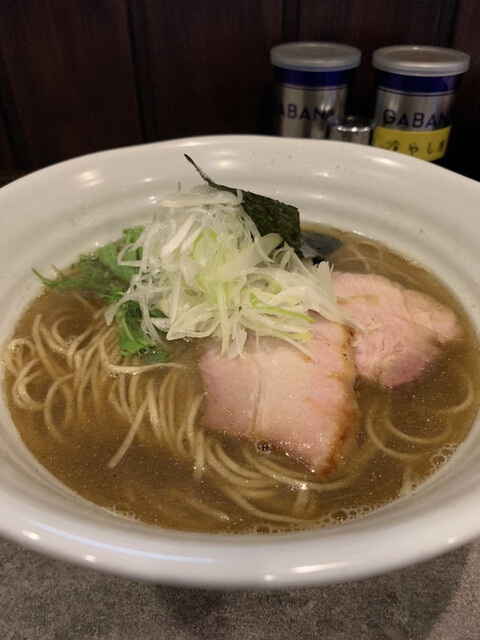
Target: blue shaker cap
(315,56)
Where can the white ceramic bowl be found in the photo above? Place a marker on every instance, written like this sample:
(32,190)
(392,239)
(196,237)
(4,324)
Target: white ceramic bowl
(420,210)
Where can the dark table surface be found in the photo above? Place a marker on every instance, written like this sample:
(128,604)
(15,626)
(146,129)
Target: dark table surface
(42,598)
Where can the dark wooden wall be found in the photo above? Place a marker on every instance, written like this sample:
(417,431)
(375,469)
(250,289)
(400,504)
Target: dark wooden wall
(78,76)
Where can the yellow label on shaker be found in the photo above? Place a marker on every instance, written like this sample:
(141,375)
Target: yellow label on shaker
(426,145)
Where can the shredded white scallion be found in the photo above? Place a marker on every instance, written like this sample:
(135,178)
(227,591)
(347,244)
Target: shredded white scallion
(206,268)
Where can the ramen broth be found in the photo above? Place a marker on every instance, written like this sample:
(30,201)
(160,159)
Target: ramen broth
(173,473)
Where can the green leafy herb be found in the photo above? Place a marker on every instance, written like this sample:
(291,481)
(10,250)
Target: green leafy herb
(94,279)
(108,255)
(100,276)
(268,214)
(132,339)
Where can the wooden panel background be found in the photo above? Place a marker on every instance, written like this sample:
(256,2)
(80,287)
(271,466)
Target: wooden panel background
(69,76)
(465,144)
(204,65)
(78,76)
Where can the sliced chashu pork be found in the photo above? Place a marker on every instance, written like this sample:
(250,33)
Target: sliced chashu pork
(308,409)
(405,328)
(274,393)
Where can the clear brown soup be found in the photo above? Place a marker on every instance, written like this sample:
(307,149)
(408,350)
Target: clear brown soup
(175,474)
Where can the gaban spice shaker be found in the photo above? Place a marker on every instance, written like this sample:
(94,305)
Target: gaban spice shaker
(312,80)
(416,88)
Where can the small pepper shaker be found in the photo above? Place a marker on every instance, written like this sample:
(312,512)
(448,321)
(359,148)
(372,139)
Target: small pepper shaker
(357,129)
